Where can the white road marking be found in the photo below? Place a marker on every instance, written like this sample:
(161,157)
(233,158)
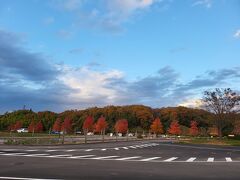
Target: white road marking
(70,150)
(171,159)
(125,148)
(210,159)
(13,154)
(133,147)
(88,150)
(228,159)
(32,155)
(51,150)
(191,159)
(85,156)
(128,158)
(117,149)
(31,150)
(103,149)
(105,157)
(150,159)
(61,155)
(18,178)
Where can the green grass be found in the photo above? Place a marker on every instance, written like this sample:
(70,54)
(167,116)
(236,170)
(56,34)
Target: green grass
(212,141)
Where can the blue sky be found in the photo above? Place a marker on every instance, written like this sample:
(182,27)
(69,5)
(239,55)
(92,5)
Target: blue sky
(72,54)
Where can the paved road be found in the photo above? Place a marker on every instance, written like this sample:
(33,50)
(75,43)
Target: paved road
(122,160)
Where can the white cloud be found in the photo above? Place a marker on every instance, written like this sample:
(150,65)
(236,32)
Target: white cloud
(88,85)
(237,34)
(192,103)
(108,15)
(206,3)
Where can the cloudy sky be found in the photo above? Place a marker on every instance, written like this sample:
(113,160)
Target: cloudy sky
(72,54)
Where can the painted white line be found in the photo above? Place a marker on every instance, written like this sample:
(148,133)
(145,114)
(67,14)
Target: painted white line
(79,157)
(51,150)
(32,155)
(70,150)
(88,150)
(13,154)
(18,178)
(103,149)
(170,159)
(125,148)
(31,150)
(61,155)
(191,159)
(133,147)
(210,159)
(128,158)
(117,149)
(150,159)
(105,157)
(228,159)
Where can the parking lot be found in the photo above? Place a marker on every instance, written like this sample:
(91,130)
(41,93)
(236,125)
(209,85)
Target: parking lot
(128,160)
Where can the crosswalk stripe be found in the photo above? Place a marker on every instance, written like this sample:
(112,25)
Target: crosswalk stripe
(228,159)
(150,159)
(125,148)
(105,157)
(191,159)
(85,156)
(210,159)
(171,159)
(32,155)
(133,147)
(128,158)
(103,149)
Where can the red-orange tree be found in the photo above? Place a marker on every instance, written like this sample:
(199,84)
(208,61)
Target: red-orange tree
(39,127)
(194,129)
(121,126)
(31,127)
(67,125)
(17,125)
(57,125)
(157,127)
(101,125)
(88,124)
(174,128)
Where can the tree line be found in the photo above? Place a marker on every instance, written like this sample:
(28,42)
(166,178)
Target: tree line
(139,118)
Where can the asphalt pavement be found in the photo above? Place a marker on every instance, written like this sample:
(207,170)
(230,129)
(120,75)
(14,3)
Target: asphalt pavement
(122,160)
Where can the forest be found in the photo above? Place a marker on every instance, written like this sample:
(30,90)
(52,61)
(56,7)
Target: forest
(139,118)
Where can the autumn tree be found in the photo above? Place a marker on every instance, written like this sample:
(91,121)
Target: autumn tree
(88,124)
(17,125)
(31,127)
(221,102)
(157,127)
(57,125)
(39,127)
(101,126)
(121,126)
(174,128)
(67,125)
(194,131)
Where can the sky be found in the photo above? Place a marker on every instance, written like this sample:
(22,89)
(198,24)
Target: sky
(73,54)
